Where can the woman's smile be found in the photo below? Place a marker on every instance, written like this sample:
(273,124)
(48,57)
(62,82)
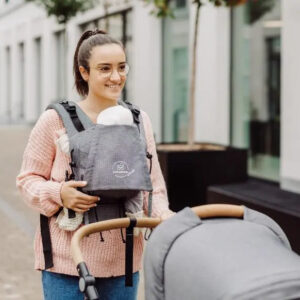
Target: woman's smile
(113,86)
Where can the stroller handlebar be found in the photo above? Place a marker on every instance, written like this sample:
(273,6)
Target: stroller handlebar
(203,211)
(103,226)
(219,210)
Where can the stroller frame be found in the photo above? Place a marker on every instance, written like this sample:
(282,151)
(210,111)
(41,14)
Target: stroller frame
(87,281)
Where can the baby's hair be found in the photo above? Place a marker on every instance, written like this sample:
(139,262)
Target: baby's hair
(86,43)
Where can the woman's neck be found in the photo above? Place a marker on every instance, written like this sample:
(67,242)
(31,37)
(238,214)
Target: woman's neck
(92,106)
(96,105)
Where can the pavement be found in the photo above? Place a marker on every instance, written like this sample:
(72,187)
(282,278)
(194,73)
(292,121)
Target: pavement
(18,279)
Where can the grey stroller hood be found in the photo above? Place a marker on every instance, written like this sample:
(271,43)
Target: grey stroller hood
(222,258)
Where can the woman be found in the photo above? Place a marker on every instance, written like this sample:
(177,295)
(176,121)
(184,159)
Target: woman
(100,71)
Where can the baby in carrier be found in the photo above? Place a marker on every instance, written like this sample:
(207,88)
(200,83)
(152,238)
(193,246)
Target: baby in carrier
(111,157)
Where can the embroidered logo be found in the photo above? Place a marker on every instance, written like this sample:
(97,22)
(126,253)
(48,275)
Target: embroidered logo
(120,169)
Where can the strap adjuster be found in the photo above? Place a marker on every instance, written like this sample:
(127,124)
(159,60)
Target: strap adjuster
(129,252)
(71,108)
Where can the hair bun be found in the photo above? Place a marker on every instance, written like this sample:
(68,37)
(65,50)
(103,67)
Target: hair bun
(97,31)
(89,33)
(100,31)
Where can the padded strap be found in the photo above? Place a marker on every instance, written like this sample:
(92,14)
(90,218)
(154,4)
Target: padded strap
(137,119)
(68,120)
(136,112)
(71,109)
(46,241)
(129,252)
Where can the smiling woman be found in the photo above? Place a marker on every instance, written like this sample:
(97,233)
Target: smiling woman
(57,161)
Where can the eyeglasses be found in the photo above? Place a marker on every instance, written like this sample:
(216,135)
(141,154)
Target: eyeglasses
(106,70)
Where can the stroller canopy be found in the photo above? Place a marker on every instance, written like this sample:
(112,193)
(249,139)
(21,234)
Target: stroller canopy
(221,258)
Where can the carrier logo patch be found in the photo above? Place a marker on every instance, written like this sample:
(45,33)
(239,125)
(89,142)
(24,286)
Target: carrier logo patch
(120,169)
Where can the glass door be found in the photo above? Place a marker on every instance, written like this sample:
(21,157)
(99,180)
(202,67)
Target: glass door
(175,74)
(255,112)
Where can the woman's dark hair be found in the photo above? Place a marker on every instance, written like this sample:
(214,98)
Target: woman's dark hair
(86,43)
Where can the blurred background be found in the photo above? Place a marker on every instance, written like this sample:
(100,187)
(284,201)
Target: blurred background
(246,95)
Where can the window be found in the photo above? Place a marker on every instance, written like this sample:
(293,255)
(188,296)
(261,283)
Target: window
(255,119)
(38,75)
(175,75)
(180,3)
(21,74)
(8,83)
(60,65)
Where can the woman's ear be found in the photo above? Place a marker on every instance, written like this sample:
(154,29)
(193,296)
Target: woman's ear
(84,73)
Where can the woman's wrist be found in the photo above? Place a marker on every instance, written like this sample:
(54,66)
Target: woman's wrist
(167,214)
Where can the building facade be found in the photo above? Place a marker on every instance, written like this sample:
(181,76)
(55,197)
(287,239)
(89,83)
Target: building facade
(246,82)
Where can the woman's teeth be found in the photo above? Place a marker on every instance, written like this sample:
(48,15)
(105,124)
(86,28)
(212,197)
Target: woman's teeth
(113,86)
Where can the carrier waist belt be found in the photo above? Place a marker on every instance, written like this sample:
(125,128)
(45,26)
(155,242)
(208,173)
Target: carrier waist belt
(107,208)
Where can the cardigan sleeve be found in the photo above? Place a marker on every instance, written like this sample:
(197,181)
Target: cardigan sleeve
(33,181)
(160,203)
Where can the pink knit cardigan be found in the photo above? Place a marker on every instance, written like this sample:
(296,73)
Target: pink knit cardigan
(40,181)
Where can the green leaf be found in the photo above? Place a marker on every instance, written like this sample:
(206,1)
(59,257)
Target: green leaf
(63,10)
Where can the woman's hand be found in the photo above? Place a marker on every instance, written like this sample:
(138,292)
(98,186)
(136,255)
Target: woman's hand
(166,215)
(74,199)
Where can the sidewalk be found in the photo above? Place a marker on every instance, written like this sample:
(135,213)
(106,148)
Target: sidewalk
(18,279)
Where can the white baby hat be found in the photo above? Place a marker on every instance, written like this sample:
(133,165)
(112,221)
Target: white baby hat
(115,115)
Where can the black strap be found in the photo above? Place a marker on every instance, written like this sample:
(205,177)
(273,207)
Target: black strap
(149,156)
(71,213)
(135,113)
(46,241)
(71,109)
(129,252)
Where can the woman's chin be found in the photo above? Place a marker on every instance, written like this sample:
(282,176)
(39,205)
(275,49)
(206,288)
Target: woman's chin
(113,96)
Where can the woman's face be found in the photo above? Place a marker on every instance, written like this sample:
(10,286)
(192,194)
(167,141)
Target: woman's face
(105,63)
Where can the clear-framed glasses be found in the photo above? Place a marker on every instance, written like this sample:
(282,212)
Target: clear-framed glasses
(106,70)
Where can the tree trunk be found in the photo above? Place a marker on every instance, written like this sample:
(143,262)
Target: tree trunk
(191,130)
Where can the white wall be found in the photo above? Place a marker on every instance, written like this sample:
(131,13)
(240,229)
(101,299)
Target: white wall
(23,22)
(290,104)
(212,122)
(147,65)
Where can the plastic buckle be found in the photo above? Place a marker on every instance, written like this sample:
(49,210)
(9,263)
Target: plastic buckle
(71,108)
(149,156)
(136,111)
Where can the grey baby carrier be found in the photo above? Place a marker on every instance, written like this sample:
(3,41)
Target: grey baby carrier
(113,161)
(220,259)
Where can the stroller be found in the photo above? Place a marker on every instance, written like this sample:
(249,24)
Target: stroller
(230,252)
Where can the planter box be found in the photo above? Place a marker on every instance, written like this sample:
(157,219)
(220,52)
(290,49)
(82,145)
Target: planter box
(188,173)
(266,197)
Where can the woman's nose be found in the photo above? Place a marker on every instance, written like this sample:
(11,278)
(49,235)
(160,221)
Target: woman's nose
(115,76)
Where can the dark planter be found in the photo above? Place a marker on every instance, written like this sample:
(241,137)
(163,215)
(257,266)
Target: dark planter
(189,173)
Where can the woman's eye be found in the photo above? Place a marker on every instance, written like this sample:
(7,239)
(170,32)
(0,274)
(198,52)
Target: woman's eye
(122,67)
(105,69)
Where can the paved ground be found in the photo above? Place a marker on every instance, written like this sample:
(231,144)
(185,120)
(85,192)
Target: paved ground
(18,279)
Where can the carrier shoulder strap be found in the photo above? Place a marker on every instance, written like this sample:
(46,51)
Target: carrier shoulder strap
(73,118)
(74,121)
(138,120)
